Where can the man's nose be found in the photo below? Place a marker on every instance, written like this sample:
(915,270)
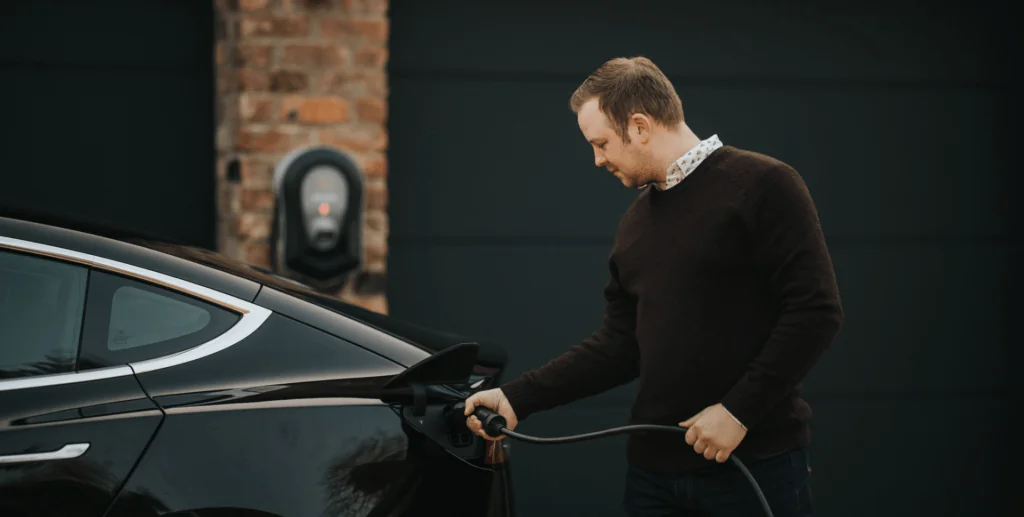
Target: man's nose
(599,160)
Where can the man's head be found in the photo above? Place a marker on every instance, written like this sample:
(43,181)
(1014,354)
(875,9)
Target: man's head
(625,109)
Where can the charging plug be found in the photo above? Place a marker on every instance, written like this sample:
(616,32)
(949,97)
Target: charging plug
(493,423)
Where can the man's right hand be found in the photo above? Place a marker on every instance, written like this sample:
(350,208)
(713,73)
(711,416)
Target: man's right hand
(495,400)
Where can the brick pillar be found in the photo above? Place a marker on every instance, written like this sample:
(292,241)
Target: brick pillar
(292,73)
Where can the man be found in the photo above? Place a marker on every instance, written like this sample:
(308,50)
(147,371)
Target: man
(721,298)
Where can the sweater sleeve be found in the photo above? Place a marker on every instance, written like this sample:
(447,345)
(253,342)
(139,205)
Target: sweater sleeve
(789,249)
(606,359)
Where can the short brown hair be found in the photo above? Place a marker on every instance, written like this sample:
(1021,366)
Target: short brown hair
(625,86)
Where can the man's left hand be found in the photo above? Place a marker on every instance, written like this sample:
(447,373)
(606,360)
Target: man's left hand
(714,433)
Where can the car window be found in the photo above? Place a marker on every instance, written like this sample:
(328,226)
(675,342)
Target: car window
(140,318)
(130,320)
(41,305)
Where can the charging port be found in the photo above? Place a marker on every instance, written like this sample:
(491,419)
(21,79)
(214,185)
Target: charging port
(458,434)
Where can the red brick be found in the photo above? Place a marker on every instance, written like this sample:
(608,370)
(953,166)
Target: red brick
(226,5)
(315,56)
(344,142)
(365,6)
(375,167)
(255,171)
(262,140)
(375,247)
(355,82)
(314,110)
(355,140)
(373,30)
(376,196)
(372,109)
(227,82)
(371,56)
(221,51)
(221,24)
(252,80)
(225,202)
(257,198)
(274,26)
(306,5)
(253,5)
(288,82)
(252,226)
(253,109)
(222,167)
(377,266)
(256,56)
(256,253)
(303,136)
(377,221)
(220,111)
(224,138)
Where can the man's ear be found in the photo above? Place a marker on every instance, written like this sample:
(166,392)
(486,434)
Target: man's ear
(641,124)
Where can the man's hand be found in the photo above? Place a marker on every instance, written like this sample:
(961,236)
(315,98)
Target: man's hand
(714,433)
(496,401)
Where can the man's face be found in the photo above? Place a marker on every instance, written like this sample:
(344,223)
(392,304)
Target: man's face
(629,162)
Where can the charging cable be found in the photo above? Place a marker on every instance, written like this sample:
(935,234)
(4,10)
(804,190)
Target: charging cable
(494,425)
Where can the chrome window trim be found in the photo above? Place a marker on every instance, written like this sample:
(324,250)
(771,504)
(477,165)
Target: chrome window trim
(252,317)
(53,379)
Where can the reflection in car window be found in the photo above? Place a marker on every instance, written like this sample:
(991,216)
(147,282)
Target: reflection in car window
(139,318)
(130,320)
(41,305)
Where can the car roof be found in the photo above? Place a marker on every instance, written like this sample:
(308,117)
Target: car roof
(84,235)
(210,269)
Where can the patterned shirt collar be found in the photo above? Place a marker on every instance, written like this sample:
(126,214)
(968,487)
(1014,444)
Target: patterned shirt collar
(682,167)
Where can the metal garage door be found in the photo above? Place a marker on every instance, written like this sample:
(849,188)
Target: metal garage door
(899,120)
(109,113)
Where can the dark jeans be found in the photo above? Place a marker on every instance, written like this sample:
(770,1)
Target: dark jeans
(721,489)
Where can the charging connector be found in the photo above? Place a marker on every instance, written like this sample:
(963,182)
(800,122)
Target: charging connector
(493,423)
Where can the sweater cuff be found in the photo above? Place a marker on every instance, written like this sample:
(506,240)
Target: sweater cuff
(520,394)
(745,403)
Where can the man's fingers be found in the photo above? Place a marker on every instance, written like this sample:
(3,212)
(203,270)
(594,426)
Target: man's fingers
(700,446)
(691,436)
(710,452)
(473,423)
(722,456)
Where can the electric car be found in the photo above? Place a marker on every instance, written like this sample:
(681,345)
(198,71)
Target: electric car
(140,377)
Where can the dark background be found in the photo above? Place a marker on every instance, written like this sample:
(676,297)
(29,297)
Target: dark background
(108,113)
(898,116)
(901,117)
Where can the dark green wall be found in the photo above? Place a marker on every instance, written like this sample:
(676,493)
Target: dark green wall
(109,113)
(901,121)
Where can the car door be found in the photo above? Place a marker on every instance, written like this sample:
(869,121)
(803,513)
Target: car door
(70,432)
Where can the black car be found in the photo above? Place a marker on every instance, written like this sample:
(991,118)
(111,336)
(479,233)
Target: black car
(140,377)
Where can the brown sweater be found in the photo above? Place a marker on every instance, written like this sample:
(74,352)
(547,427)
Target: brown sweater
(721,289)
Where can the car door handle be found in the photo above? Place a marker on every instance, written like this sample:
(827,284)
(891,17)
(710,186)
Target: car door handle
(69,451)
